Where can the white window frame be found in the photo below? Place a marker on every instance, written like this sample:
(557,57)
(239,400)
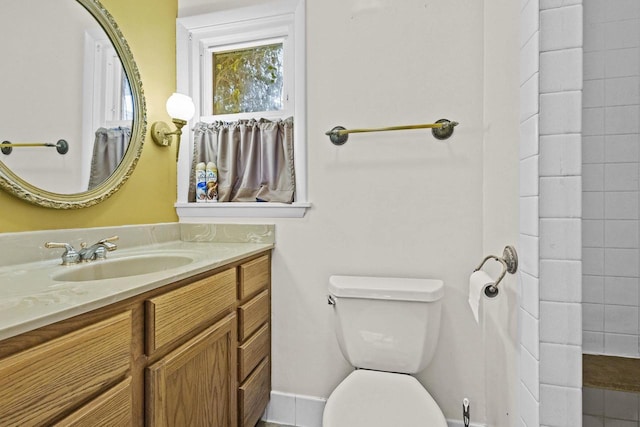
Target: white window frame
(197,37)
(102,90)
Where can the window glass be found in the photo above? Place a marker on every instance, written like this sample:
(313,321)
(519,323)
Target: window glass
(248,80)
(126,99)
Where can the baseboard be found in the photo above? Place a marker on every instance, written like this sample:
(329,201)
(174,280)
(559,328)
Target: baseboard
(306,411)
(456,423)
(294,410)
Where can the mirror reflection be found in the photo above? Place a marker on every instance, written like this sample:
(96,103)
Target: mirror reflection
(61,79)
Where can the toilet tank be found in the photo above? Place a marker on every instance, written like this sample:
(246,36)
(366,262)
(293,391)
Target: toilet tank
(387,324)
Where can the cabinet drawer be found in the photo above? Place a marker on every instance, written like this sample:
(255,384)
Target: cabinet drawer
(113,408)
(253,314)
(253,351)
(253,395)
(254,276)
(49,379)
(171,315)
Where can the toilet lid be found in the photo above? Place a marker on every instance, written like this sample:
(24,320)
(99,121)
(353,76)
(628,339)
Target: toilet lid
(381,399)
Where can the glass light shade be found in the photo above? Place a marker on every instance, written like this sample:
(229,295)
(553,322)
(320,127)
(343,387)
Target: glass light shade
(180,106)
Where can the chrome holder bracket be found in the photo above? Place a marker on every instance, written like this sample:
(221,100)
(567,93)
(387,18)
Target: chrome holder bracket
(509,263)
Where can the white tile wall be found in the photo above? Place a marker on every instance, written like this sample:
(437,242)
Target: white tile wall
(610,408)
(560,197)
(529,407)
(529,138)
(561,28)
(610,178)
(561,206)
(561,406)
(528,242)
(558,70)
(560,238)
(530,295)
(560,112)
(530,374)
(557,367)
(560,323)
(530,334)
(560,280)
(560,155)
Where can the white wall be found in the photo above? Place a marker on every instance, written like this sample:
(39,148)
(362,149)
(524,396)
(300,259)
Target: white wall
(500,206)
(400,203)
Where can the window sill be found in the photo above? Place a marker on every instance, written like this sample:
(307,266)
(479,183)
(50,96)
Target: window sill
(194,212)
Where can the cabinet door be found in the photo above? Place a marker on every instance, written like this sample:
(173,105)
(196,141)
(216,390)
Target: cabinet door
(195,385)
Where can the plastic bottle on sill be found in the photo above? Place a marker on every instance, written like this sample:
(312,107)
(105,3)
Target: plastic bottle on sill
(201,183)
(212,182)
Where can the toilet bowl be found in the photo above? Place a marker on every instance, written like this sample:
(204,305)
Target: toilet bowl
(381,399)
(387,328)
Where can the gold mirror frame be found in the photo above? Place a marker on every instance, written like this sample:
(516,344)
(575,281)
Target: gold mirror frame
(15,185)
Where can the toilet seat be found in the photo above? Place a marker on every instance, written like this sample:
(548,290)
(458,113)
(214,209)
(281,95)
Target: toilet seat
(381,399)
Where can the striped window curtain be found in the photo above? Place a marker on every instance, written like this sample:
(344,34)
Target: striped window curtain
(108,149)
(254,159)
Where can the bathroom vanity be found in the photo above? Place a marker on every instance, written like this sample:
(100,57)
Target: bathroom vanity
(192,351)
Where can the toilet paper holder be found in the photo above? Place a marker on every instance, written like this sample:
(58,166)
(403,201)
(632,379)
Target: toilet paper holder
(509,261)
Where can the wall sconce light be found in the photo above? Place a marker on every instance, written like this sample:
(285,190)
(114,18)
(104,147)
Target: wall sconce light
(181,109)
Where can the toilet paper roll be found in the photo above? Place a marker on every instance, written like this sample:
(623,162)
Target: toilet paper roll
(477,282)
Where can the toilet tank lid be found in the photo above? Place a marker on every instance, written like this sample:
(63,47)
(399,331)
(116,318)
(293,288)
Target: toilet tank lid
(391,288)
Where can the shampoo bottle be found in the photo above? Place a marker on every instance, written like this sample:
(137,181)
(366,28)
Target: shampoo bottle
(212,182)
(201,183)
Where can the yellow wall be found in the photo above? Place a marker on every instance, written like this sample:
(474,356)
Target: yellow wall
(148,196)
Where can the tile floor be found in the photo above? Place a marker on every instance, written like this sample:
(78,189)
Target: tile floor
(265,424)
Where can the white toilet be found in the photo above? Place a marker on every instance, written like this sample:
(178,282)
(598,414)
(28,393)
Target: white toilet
(387,328)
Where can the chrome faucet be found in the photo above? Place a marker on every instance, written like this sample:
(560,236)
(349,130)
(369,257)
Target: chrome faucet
(96,251)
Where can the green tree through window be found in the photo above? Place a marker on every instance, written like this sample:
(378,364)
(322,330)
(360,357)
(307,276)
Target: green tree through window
(248,80)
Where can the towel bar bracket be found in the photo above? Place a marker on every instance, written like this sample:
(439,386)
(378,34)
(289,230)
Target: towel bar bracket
(445,131)
(336,137)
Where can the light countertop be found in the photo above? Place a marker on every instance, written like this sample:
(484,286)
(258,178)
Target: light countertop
(30,297)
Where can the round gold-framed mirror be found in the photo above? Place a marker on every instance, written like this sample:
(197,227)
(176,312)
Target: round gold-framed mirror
(122,92)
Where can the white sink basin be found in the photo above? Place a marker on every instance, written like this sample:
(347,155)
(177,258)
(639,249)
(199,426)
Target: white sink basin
(123,267)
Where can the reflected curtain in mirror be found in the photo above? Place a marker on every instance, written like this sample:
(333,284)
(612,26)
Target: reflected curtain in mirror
(108,149)
(254,159)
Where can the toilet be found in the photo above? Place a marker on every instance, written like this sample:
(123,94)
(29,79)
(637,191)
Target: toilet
(387,328)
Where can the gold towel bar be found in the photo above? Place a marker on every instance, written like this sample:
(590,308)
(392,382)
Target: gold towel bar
(61,146)
(442,129)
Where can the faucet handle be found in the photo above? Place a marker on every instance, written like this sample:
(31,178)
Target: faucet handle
(110,240)
(70,255)
(108,244)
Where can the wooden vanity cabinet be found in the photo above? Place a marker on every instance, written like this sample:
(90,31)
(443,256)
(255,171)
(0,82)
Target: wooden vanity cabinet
(43,383)
(192,353)
(254,338)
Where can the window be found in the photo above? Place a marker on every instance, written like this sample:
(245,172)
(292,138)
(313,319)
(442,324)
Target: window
(247,80)
(240,64)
